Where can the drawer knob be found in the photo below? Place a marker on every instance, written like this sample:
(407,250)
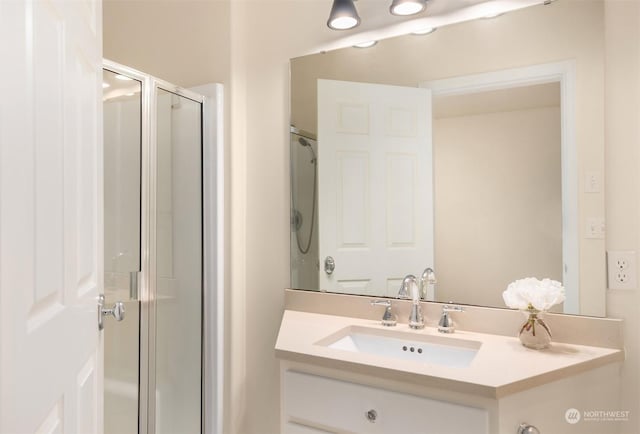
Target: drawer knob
(371,415)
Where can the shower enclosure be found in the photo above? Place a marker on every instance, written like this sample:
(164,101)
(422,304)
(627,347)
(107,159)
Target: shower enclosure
(162,219)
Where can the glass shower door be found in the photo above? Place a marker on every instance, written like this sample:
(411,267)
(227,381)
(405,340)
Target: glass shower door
(153,258)
(179,282)
(122,108)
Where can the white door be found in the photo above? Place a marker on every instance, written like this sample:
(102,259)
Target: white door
(375,185)
(50,216)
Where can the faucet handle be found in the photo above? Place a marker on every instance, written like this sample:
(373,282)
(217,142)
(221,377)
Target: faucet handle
(445,325)
(389,319)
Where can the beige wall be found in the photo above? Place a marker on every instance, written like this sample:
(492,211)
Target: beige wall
(622,108)
(498,202)
(264,35)
(185,42)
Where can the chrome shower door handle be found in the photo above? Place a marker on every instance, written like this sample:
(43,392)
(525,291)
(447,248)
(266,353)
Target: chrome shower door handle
(133,285)
(117,311)
(329,265)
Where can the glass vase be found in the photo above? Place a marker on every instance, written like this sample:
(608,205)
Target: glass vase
(535,333)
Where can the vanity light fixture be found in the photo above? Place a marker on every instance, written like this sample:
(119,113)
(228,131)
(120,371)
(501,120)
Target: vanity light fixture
(105,85)
(407,7)
(366,44)
(343,15)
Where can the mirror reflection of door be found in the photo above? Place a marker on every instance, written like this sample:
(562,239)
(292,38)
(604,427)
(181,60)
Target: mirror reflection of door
(375,185)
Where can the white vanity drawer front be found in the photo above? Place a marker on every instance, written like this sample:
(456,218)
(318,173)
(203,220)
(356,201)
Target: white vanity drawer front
(335,406)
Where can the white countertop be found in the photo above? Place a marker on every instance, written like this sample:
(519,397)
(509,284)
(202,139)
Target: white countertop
(501,367)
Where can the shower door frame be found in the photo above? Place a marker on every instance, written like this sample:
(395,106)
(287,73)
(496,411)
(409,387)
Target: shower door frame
(210,97)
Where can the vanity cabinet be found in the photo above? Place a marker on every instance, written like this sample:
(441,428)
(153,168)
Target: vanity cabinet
(319,399)
(317,404)
(338,390)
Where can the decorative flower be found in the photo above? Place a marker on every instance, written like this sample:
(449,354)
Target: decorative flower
(531,293)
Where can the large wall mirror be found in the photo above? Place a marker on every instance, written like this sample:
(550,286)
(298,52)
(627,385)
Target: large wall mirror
(476,150)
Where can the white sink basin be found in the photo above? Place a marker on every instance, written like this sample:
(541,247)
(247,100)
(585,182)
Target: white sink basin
(429,349)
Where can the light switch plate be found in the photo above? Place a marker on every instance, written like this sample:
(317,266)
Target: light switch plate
(595,228)
(592,182)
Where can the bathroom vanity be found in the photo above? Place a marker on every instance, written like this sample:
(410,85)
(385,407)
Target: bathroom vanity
(351,374)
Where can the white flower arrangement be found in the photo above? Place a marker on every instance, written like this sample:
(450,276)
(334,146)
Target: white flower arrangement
(533,294)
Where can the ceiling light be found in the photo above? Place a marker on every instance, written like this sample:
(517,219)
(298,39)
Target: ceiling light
(407,7)
(105,85)
(123,77)
(424,31)
(366,44)
(343,15)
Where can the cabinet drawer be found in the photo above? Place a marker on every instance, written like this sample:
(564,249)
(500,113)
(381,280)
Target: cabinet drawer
(332,405)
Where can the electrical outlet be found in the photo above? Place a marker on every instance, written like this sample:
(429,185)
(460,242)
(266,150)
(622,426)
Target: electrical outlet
(621,263)
(621,277)
(621,266)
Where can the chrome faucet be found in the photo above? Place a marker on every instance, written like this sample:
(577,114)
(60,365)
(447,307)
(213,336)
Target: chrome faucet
(445,325)
(428,278)
(409,289)
(389,318)
(405,287)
